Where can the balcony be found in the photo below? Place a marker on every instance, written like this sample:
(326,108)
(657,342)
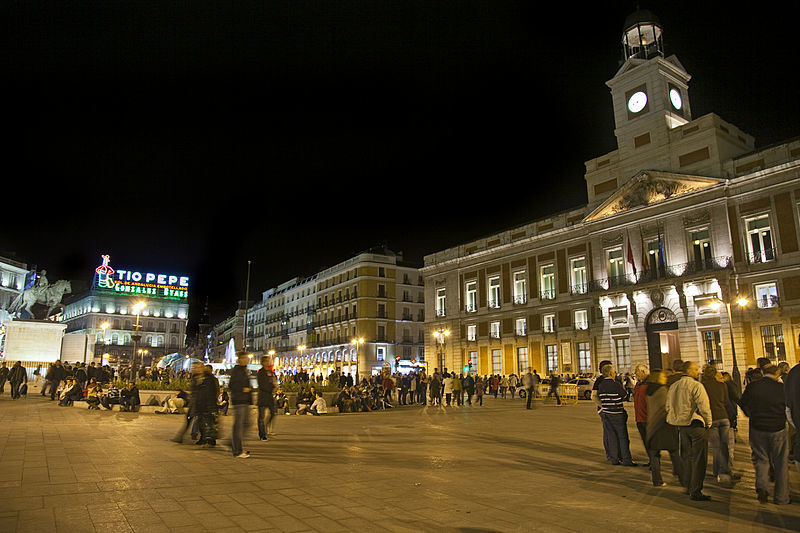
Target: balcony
(547,294)
(762,256)
(578,289)
(662,273)
(520,299)
(768,302)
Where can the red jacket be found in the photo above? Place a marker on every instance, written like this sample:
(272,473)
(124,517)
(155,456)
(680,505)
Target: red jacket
(640,402)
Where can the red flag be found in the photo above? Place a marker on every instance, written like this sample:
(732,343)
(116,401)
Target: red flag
(630,257)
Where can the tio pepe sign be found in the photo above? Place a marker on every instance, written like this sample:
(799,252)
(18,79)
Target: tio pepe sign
(141,283)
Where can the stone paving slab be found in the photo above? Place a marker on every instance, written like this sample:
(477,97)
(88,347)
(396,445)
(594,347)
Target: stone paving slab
(491,468)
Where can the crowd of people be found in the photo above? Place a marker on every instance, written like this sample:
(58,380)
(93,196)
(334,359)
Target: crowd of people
(685,409)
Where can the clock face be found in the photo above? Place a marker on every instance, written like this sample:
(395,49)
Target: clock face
(675,98)
(637,101)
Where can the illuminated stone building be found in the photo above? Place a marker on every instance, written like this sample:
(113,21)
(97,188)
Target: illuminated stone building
(310,323)
(689,240)
(106,313)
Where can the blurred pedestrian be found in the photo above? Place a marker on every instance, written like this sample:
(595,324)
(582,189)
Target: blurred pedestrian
(241,398)
(266,399)
(659,434)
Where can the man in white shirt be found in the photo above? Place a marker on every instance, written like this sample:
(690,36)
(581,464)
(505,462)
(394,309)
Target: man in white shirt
(689,409)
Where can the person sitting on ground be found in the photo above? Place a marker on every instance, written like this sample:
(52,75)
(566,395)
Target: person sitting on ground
(304,401)
(110,398)
(129,398)
(69,393)
(344,401)
(175,405)
(319,407)
(94,395)
(281,402)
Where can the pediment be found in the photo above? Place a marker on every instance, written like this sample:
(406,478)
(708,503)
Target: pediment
(649,188)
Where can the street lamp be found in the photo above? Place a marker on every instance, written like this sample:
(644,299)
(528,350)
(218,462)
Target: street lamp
(104,326)
(741,302)
(136,337)
(440,335)
(357,342)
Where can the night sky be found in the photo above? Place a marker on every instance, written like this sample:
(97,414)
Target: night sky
(189,137)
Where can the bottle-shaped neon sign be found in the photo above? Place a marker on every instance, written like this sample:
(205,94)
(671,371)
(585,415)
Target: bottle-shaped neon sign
(104,273)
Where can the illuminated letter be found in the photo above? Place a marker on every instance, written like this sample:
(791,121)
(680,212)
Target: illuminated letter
(121,274)
(184,281)
(149,277)
(162,279)
(172,280)
(137,276)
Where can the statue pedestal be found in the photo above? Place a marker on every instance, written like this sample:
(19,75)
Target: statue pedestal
(33,341)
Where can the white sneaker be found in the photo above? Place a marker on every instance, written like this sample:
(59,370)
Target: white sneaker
(243,455)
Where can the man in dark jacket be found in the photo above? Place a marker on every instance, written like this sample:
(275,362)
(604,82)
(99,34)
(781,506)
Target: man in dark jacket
(129,398)
(764,402)
(241,398)
(266,398)
(17,376)
(205,391)
(791,386)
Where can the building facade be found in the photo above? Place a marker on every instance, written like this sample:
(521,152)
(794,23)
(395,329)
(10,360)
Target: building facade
(374,298)
(12,282)
(108,313)
(687,248)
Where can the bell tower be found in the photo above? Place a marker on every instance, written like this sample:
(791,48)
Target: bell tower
(649,91)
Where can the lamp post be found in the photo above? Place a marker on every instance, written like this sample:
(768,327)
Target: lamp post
(440,335)
(357,342)
(741,302)
(136,337)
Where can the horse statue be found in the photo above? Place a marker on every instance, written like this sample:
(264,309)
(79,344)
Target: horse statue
(50,296)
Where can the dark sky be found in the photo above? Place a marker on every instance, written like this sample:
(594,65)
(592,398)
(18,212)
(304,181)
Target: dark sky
(189,137)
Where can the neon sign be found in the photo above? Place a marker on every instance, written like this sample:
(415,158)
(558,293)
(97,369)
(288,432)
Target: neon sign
(147,284)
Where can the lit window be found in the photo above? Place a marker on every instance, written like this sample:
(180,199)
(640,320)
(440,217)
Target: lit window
(472,332)
(766,295)
(494,330)
(472,296)
(521,327)
(441,300)
(578,268)
(759,240)
(549,323)
(581,319)
(520,288)
(494,292)
(548,282)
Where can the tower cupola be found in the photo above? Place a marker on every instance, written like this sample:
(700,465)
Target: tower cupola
(642,37)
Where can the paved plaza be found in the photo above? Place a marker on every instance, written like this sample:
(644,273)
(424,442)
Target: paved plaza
(491,468)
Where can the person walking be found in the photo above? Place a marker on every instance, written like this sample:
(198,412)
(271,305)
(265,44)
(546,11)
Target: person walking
(447,383)
(640,402)
(528,381)
(458,390)
(3,376)
(469,387)
(555,382)
(688,408)
(659,434)
(241,398)
(513,383)
(615,417)
(720,424)
(764,402)
(503,386)
(266,399)
(16,377)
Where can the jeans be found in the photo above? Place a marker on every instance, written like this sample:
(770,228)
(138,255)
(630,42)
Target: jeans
(694,456)
(529,393)
(619,444)
(607,440)
(265,423)
(655,464)
(771,447)
(718,440)
(241,421)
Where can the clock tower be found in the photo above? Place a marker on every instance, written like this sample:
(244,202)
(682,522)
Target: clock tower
(650,91)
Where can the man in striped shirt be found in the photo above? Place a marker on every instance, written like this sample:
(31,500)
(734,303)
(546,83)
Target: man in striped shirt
(615,420)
